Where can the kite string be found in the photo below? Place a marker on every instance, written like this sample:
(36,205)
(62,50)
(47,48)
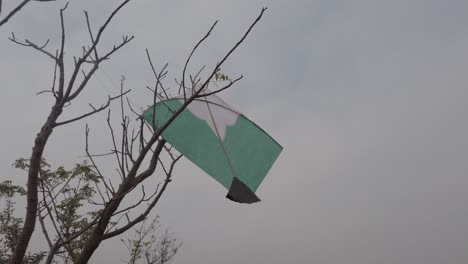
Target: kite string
(115,89)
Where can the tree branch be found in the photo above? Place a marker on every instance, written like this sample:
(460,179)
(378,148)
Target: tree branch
(60,61)
(30,44)
(86,54)
(182,85)
(13,12)
(142,216)
(94,111)
(220,89)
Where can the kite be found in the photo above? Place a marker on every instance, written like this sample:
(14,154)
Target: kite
(219,140)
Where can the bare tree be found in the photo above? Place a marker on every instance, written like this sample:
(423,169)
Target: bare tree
(138,150)
(149,247)
(64,92)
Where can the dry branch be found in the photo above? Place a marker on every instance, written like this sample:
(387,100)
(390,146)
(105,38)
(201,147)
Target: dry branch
(16,10)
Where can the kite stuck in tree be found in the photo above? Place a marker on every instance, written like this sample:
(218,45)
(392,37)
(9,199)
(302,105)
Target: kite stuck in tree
(220,140)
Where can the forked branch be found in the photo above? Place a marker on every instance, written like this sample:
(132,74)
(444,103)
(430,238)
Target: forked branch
(94,111)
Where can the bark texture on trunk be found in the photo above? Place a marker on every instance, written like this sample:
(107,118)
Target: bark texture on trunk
(96,238)
(33,178)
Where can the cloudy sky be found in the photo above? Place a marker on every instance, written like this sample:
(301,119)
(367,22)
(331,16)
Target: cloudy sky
(368,99)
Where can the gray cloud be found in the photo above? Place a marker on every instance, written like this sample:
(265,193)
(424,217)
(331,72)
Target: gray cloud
(368,99)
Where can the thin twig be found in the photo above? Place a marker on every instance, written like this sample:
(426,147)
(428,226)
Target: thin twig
(13,12)
(94,111)
(190,56)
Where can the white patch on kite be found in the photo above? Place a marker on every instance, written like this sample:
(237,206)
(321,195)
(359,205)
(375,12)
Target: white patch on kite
(223,114)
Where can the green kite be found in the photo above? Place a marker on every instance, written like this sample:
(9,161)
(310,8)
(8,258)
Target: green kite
(220,140)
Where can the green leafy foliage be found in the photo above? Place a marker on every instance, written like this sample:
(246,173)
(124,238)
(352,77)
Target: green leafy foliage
(63,194)
(8,190)
(10,226)
(66,210)
(219,76)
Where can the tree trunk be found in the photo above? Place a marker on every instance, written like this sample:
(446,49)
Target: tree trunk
(96,238)
(33,178)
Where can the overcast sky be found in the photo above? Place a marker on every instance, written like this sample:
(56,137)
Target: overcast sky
(368,99)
